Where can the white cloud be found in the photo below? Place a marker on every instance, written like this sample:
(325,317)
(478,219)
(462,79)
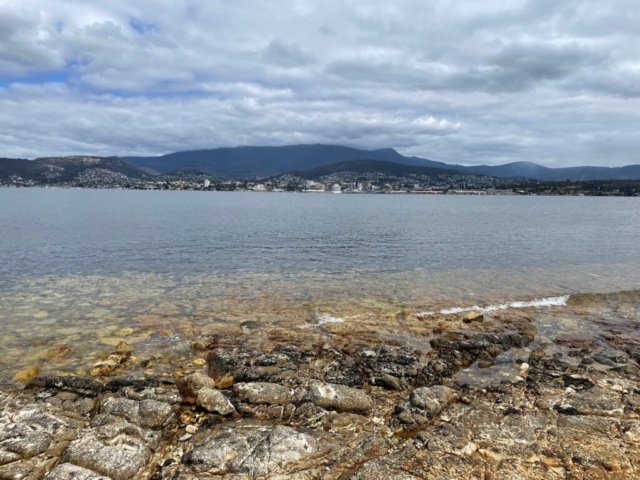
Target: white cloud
(475,82)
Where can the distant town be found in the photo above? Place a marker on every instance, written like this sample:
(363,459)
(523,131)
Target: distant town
(353,177)
(343,183)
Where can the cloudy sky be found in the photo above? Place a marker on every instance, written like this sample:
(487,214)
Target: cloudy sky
(471,82)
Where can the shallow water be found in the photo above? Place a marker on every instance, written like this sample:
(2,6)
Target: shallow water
(81,270)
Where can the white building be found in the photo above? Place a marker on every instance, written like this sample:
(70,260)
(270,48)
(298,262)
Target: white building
(207,183)
(336,188)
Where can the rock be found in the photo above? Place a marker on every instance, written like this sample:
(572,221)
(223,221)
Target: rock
(222,362)
(536,356)
(473,317)
(124,382)
(191,384)
(256,450)
(26,375)
(113,361)
(213,401)
(261,392)
(225,382)
(67,471)
(148,413)
(121,461)
(338,397)
(21,441)
(81,385)
(154,414)
(120,407)
(595,401)
(123,347)
(423,405)
(199,362)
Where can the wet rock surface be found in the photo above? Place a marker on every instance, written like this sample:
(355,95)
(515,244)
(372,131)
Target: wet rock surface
(497,398)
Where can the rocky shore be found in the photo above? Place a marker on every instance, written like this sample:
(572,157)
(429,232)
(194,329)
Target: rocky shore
(488,397)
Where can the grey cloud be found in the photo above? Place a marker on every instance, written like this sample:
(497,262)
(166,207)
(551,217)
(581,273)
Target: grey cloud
(327,30)
(475,82)
(286,55)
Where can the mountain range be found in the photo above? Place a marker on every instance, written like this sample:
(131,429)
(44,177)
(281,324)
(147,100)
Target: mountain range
(251,162)
(268,161)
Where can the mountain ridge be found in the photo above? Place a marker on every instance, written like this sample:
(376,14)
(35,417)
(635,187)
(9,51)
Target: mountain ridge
(256,161)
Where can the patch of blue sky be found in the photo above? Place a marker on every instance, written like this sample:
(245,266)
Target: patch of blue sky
(140,26)
(36,78)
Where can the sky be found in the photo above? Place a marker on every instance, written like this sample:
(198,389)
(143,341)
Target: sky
(466,81)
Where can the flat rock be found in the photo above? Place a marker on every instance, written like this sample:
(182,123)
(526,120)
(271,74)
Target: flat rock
(596,401)
(256,450)
(339,397)
(261,393)
(67,471)
(121,461)
(81,385)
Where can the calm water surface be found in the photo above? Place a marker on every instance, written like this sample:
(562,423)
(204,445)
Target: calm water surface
(79,266)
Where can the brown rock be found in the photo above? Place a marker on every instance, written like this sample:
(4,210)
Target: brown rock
(26,375)
(123,346)
(473,317)
(189,385)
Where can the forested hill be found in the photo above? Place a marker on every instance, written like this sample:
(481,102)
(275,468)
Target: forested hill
(378,166)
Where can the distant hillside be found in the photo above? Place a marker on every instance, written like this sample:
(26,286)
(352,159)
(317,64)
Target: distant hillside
(392,169)
(247,162)
(62,169)
(538,172)
(250,162)
(263,161)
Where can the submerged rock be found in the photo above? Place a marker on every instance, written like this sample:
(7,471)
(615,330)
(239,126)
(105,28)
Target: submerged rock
(26,375)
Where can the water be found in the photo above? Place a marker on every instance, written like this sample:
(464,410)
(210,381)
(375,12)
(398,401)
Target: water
(58,232)
(82,269)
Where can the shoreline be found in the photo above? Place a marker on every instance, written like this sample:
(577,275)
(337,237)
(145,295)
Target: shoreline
(436,193)
(536,392)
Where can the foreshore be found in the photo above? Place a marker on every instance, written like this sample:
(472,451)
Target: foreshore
(535,392)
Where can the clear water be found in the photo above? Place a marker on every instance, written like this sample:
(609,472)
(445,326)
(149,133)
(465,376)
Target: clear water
(79,268)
